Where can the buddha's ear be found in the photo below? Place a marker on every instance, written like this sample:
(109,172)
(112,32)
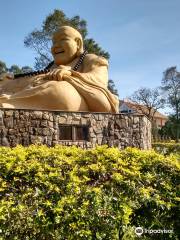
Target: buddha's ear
(79,46)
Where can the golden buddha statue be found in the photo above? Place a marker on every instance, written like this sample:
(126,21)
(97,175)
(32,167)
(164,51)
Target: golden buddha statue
(76,81)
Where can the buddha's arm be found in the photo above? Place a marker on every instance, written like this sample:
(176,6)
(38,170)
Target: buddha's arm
(98,76)
(95,71)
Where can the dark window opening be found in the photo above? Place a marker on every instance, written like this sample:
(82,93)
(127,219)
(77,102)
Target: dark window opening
(73,132)
(81,132)
(65,132)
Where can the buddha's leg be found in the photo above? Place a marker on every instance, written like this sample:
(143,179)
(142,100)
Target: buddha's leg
(51,95)
(96,100)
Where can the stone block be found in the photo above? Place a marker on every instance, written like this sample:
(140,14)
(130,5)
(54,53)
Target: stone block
(87,115)
(51,118)
(11,131)
(5,142)
(22,130)
(45,132)
(43,123)
(45,116)
(35,123)
(83,121)
(99,140)
(63,119)
(136,120)
(16,114)
(36,115)
(69,119)
(50,124)
(8,122)
(1,114)
(97,130)
(36,139)
(9,113)
(76,121)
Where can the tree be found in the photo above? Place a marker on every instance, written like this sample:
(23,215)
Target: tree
(148,101)
(112,87)
(40,40)
(171,88)
(26,69)
(15,69)
(171,129)
(3,67)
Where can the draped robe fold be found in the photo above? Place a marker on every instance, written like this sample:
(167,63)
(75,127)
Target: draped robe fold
(90,81)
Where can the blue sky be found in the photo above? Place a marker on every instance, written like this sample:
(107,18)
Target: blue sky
(142,36)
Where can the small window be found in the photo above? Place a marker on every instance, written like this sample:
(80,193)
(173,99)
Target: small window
(73,132)
(81,132)
(65,132)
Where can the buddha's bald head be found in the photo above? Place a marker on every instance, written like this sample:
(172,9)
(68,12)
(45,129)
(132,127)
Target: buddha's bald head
(67,45)
(69,31)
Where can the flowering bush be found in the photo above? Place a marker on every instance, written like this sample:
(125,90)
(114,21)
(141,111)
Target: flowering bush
(68,193)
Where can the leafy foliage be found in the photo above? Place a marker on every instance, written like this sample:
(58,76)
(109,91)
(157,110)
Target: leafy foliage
(3,67)
(15,69)
(40,40)
(112,87)
(171,129)
(167,148)
(102,193)
(171,86)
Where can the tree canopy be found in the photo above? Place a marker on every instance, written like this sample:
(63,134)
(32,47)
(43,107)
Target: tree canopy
(3,67)
(112,87)
(148,101)
(15,69)
(171,87)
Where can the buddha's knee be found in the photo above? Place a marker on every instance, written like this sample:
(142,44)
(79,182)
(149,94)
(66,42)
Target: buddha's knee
(66,96)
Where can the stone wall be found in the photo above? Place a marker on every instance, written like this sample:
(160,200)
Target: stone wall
(29,127)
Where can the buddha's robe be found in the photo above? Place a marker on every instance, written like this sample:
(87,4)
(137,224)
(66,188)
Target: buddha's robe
(85,90)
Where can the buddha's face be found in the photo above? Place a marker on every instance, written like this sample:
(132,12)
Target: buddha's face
(64,48)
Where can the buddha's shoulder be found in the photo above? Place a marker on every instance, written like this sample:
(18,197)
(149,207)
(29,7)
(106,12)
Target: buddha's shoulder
(91,58)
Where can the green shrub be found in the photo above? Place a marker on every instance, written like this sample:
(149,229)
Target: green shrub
(65,193)
(167,148)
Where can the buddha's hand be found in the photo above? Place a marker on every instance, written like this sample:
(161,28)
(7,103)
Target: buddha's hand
(58,74)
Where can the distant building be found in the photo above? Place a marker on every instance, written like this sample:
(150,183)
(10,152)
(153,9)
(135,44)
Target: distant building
(127,106)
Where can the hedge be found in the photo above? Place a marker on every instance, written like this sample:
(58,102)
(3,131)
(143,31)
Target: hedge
(66,193)
(167,148)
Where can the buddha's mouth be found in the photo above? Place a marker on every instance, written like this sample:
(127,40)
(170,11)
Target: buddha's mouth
(59,52)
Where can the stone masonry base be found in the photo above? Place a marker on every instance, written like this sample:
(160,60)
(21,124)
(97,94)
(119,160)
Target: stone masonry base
(27,127)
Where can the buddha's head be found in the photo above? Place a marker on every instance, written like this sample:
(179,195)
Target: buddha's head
(67,45)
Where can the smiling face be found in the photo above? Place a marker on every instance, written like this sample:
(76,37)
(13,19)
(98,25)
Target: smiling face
(66,45)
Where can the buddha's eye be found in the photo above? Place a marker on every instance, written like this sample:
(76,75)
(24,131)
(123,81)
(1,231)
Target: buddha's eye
(64,39)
